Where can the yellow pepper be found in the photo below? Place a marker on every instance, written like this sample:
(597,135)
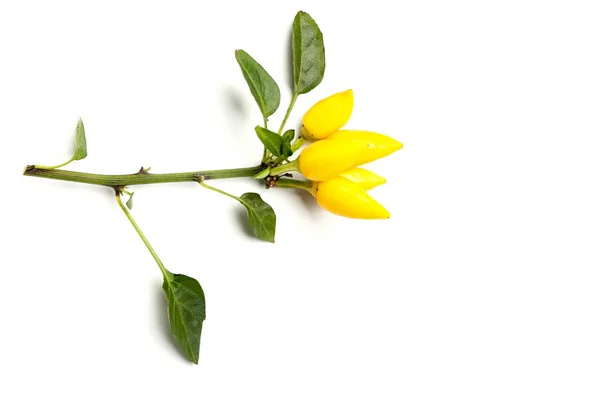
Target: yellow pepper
(363,178)
(328,115)
(331,162)
(326,159)
(376,145)
(347,199)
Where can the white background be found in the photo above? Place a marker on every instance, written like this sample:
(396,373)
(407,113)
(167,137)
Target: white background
(484,284)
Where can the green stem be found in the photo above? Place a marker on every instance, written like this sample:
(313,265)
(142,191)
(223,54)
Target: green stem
(140,178)
(166,274)
(214,189)
(264,157)
(292,183)
(289,167)
(298,143)
(288,112)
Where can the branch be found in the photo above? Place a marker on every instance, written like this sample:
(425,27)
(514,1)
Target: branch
(138,178)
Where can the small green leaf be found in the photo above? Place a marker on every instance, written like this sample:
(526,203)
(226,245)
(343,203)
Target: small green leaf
(80,142)
(308,53)
(187,312)
(260,216)
(262,86)
(129,203)
(286,146)
(288,136)
(272,141)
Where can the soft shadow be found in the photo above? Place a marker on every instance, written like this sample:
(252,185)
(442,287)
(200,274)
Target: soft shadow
(298,133)
(160,306)
(234,104)
(309,203)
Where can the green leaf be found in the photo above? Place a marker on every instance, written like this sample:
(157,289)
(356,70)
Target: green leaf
(288,136)
(286,146)
(80,142)
(272,141)
(260,216)
(129,203)
(262,86)
(308,53)
(187,312)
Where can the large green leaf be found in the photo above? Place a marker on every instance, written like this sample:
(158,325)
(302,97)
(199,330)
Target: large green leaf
(308,53)
(262,86)
(80,142)
(261,216)
(187,311)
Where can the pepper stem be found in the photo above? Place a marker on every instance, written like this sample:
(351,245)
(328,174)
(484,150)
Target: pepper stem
(282,169)
(293,183)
